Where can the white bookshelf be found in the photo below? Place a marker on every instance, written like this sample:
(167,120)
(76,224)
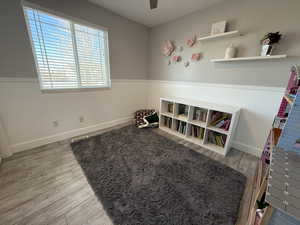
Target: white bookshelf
(169,119)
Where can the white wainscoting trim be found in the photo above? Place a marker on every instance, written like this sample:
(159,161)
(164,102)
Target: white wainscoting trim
(66,135)
(81,131)
(164,82)
(215,85)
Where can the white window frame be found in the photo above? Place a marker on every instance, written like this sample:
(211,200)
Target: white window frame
(73,21)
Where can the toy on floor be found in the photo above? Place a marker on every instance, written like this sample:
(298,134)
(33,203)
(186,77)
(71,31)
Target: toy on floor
(150,121)
(146,118)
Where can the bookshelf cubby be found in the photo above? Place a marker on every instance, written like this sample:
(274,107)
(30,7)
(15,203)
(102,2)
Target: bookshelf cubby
(216,138)
(207,124)
(198,116)
(180,127)
(167,108)
(181,111)
(219,121)
(166,122)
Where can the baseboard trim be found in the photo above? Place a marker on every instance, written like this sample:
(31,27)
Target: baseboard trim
(247,148)
(82,131)
(66,135)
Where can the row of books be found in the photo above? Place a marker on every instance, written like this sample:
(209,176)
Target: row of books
(168,122)
(170,107)
(220,120)
(181,127)
(217,139)
(197,132)
(200,114)
(183,110)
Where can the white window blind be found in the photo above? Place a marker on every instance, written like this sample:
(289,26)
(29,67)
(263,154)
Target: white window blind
(67,55)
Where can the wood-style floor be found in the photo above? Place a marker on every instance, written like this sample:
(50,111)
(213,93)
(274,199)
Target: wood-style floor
(46,186)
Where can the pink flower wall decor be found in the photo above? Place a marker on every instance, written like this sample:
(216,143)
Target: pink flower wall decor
(191,41)
(167,48)
(176,58)
(196,57)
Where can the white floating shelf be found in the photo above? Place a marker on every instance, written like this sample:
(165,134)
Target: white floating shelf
(253,58)
(219,36)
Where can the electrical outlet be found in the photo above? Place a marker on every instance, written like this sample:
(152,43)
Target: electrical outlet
(81,119)
(55,123)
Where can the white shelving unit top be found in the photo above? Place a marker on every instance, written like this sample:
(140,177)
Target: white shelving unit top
(253,58)
(219,36)
(206,105)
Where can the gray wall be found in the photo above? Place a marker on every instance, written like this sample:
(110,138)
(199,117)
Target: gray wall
(128,40)
(253,18)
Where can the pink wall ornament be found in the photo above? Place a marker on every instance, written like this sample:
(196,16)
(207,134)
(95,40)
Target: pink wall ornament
(196,57)
(176,58)
(167,48)
(191,41)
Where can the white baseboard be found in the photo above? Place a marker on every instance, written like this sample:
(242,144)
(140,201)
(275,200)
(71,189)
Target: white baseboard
(66,135)
(77,132)
(247,148)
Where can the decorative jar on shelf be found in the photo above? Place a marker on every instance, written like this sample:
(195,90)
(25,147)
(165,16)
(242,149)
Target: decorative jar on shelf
(230,52)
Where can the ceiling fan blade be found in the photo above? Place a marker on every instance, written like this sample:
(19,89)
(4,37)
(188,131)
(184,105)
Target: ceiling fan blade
(153,4)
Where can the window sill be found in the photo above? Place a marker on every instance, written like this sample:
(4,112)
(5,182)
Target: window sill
(74,90)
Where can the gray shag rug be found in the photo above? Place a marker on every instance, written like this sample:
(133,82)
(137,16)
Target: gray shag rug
(143,178)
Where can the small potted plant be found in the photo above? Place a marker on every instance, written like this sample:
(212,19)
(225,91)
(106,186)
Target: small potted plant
(268,42)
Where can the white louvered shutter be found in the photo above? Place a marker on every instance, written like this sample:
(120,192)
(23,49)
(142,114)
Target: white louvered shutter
(67,55)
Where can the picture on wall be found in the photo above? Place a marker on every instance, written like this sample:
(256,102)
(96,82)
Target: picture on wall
(218,28)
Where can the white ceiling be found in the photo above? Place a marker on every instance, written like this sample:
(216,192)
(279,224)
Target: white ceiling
(139,10)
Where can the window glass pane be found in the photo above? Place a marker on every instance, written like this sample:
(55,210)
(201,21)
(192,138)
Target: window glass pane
(91,55)
(52,43)
(67,55)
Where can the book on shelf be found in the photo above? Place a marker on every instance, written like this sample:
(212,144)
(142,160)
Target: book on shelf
(183,110)
(200,114)
(220,120)
(168,122)
(181,127)
(170,107)
(197,132)
(217,139)
(220,124)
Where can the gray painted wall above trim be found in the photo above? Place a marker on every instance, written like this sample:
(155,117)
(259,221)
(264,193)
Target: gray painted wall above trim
(128,40)
(253,18)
